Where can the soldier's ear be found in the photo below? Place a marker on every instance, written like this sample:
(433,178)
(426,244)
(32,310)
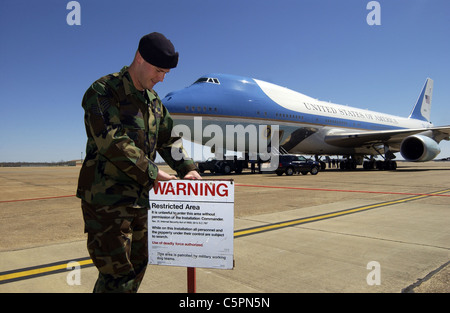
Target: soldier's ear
(138,58)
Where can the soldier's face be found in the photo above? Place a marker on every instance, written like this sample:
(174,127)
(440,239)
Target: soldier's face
(151,75)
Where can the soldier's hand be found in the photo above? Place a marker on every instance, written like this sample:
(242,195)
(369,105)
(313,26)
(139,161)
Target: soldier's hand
(192,175)
(162,176)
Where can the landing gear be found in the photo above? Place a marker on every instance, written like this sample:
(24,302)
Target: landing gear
(386,165)
(351,162)
(348,164)
(370,165)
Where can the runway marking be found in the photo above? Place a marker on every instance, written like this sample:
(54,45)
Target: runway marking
(343,190)
(40,270)
(34,199)
(53,268)
(268,227)
(268,186)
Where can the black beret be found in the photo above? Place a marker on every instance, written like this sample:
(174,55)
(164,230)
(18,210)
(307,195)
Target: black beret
(157,50)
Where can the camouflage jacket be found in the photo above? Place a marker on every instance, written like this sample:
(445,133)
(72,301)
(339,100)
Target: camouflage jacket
(125,128)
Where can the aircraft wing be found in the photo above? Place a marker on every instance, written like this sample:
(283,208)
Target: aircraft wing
(360,138)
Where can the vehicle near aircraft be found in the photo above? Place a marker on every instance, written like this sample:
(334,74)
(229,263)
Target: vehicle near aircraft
(222,166)
(304,125)
(292,163)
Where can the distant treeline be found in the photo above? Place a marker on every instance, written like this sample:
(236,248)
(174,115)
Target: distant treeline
(36,164)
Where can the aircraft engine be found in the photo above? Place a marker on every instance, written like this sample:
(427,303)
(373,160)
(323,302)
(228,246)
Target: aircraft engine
(418,148)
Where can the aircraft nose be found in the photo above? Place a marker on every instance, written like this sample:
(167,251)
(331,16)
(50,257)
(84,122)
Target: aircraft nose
(177,101)
(195,100)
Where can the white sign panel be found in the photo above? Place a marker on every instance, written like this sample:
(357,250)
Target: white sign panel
(191,223)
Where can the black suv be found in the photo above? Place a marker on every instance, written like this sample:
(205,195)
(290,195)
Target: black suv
(221,166)
(291,163)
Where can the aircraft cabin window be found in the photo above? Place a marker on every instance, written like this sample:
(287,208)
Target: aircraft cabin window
(201,80)
(208,80)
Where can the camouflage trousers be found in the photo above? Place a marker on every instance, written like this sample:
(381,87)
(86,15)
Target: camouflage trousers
(117,244)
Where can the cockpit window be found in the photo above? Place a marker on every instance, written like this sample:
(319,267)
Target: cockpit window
(208,80)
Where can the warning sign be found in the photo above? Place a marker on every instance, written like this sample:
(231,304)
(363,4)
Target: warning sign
(191,223)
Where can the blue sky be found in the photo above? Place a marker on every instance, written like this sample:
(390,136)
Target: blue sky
(322,48)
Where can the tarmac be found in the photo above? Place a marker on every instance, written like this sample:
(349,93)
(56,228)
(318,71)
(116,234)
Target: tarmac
(335,232)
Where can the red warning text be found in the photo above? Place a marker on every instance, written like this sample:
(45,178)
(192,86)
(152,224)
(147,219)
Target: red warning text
(194,188)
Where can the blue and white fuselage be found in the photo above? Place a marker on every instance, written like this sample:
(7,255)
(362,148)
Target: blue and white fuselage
(306,125)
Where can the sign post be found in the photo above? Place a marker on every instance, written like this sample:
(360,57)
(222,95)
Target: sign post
(191,224)
(191,280)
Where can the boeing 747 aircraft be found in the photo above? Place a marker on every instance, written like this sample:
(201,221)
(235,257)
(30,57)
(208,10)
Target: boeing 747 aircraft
(306,125)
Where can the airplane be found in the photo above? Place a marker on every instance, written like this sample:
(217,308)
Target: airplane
(307,125)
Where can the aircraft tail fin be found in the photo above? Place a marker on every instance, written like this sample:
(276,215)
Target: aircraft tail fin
(422,109)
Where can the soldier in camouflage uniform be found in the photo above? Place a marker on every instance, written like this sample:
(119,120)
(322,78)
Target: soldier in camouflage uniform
(126,124)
